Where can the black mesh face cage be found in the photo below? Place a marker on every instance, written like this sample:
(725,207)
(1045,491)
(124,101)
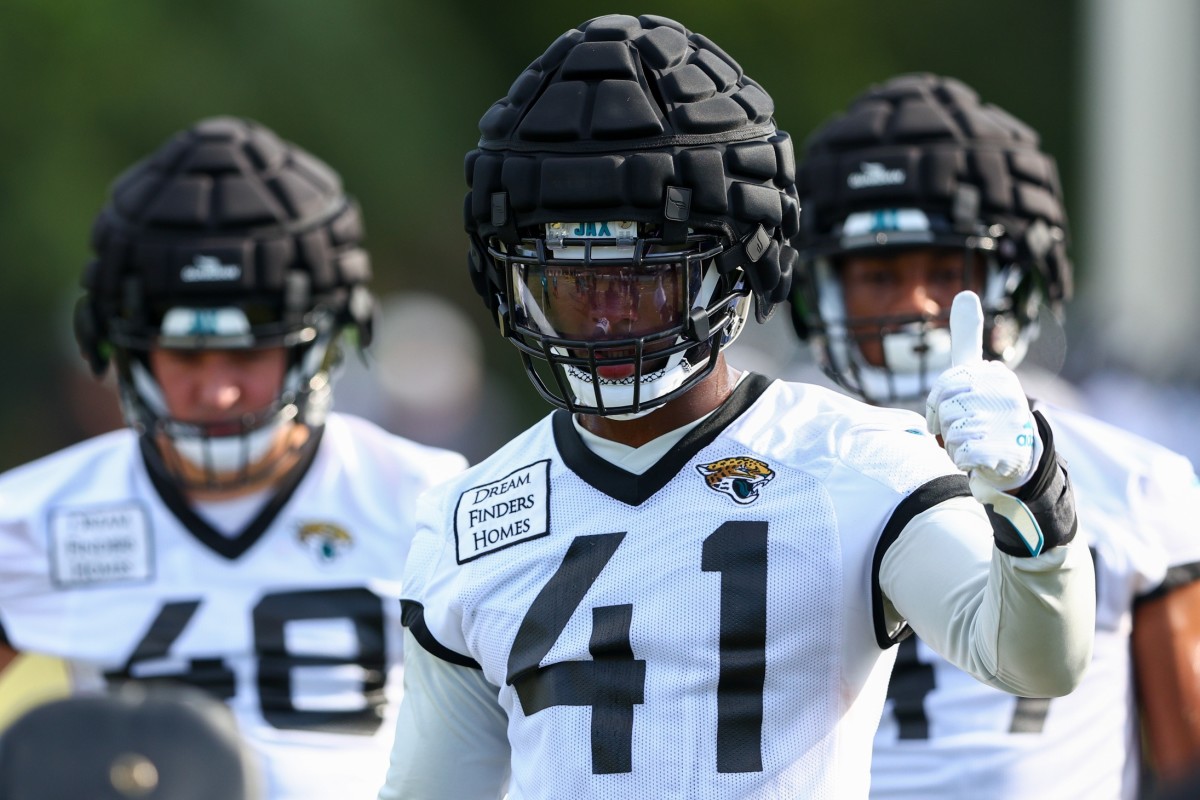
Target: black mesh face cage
(636,119)
(927,143)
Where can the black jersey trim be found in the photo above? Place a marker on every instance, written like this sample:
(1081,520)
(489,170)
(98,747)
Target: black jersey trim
(230,547)
(924,498)
(412,615)
(632,489)
(1177,577)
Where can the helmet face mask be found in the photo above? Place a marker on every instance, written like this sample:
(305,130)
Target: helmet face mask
(617,326)
(629,200)
(919,164)
(226,239)
(890,354)
(247,448)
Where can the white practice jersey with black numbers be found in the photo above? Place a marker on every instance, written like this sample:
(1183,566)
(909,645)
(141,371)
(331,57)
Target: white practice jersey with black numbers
(944,735)
(295,623)
(705,629)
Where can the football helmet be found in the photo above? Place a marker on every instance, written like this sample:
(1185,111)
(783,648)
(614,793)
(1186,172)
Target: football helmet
(226,237)
(629,201)
(920,162)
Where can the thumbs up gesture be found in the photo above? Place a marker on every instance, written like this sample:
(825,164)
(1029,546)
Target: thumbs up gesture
(979,409)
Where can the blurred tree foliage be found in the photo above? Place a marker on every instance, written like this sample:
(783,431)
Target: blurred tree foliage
(389,92)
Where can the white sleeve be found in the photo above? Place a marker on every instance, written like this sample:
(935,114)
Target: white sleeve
(1023,625)
(451,734)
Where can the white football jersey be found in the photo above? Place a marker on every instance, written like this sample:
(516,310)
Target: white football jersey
(294,622)
(945,735)
(705,629)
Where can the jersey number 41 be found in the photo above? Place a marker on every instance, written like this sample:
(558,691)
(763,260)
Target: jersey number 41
(613,682)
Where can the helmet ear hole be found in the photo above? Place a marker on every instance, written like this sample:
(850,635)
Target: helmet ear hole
(87,335)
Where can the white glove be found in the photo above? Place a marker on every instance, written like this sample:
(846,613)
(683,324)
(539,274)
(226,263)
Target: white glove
(979,409)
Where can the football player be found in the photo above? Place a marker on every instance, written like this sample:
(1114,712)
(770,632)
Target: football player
(918,191)
(685,581)
(238,535)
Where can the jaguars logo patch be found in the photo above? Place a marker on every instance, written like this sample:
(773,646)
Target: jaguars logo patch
(740,477)
(325,540)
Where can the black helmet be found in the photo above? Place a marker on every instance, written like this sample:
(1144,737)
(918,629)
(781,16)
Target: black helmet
(140,740)
(919,161)
(634,156)
(225,237)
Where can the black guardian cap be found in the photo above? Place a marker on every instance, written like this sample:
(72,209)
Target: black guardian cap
(636,120)
(921,161)
(225,237)
(223,213)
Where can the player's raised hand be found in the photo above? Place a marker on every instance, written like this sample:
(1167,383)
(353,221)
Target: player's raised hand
(966,329)
(979,409)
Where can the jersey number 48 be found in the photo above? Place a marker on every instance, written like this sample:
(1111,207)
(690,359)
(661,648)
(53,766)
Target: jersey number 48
(275,664)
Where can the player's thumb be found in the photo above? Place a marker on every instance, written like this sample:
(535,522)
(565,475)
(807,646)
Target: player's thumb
(966,329)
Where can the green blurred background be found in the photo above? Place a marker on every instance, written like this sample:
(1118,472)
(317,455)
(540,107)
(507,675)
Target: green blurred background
(390,93)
